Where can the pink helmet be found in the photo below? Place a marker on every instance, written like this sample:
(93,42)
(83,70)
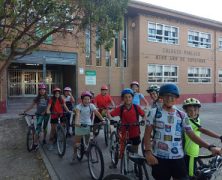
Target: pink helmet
(67,89)
(134,83)
(41,86)
(86,93)
(104,87)
(56,89)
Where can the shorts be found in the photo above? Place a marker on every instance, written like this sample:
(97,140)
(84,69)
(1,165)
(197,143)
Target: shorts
(167,168)
(41,119)
(135,141)
(190,164)
(55,120)
(82,131)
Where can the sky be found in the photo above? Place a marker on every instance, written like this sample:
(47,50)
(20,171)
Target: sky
(204,8)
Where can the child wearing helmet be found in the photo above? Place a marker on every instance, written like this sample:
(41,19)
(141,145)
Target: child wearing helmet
(41,102)
(84,111)
(137,95)
(166,155)
(153,91)
(128,113)
(192,106)
(56,106)
(103,101)
(69,100)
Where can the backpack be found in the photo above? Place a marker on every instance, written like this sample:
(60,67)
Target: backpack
(136,109)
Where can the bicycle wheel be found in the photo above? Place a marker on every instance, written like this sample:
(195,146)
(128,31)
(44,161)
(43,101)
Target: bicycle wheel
(143,147)
(116,177)
(114,148)
(95,162)
(218,171)
(61,140)
(80,151)
(106,133)
(127,166)
(30,138)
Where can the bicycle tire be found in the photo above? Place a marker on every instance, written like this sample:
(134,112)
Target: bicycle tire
(116,177)
(61,140)
(218,173)
(30,138)
(114,148)
(80,150)
(106,133)
(98,154)
(143,147)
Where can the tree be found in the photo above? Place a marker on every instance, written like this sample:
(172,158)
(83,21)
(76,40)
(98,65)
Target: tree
(26,24)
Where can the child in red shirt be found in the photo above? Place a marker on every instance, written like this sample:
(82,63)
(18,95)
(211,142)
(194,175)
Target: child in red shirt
(129,115)
(56,105)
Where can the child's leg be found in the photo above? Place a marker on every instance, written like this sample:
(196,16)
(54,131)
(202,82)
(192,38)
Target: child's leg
(45,126)
(38,129)
(52,132)
(76,143)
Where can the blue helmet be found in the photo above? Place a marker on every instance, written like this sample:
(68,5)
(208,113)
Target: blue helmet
(169,88)
(127,91)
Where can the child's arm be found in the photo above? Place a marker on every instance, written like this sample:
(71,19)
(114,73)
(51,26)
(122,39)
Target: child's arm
(77,117)
(98,115)
(209,133)
(30,107)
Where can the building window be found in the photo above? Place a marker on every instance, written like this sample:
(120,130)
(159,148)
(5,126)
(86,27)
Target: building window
(108,60)
(199,75)
(117,63)
(199,39)
(98,53)
(162,73)
(220,43)
(163,33)
(220,75)
(124,43)
(88,46)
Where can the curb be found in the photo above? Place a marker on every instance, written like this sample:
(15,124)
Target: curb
(48,165)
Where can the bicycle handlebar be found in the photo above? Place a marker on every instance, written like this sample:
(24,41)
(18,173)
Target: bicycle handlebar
(118,123)
(26,114)
(92,125)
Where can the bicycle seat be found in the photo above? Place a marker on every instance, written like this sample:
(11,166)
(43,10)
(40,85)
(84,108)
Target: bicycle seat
(136,158)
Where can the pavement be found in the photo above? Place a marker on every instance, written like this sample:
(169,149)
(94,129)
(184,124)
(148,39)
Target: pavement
(62,168)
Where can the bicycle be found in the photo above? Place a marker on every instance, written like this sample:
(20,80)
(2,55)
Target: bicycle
(208,170)
(106,127)
(93,154)
(126,166)
(30,136)
(60,135)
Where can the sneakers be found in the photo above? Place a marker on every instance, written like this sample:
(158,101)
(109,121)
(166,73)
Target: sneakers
(35,147)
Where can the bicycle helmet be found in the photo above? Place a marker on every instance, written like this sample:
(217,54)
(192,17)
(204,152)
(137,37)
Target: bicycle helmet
(67,89)
(153,88)
(127,91)
(56,89)
(104,87)
(86,93)
(134,83)
(41,86)
(191,102)
(169,88)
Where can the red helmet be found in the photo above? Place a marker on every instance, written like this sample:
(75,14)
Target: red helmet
(134,83)
(104,87)
(86,93)
(41,86)
(56,89)
(67,89)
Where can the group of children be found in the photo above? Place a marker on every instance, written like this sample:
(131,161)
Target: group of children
(165,124)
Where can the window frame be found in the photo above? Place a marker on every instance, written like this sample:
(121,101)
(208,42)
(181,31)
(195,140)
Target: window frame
(198,75)
(162,75)
(163,38)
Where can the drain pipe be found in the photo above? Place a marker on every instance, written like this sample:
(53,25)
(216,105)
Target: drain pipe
(215,68)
